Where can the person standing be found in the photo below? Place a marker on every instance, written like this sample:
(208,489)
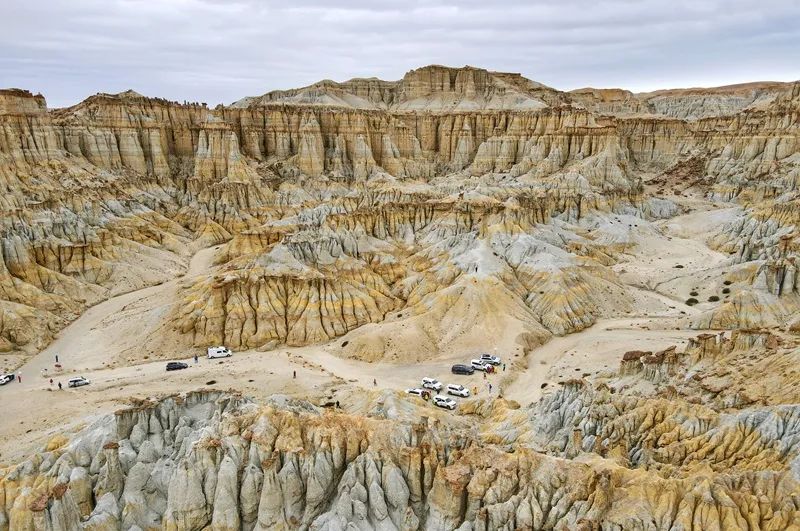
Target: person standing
(56,358)
(504,367)
(195,359)
(51,382)
(19,377)
(59,386)
(294,375)
(375,382)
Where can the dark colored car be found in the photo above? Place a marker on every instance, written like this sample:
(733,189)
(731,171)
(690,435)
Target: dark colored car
(462,369)
(177,365)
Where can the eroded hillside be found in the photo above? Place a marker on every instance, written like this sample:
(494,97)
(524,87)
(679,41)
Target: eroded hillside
(632,257)
(335,216)
(220,461)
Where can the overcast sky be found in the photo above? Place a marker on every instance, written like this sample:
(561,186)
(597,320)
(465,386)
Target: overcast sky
(219,51)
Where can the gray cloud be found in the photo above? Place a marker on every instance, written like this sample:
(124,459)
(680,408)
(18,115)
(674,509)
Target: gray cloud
(218,50)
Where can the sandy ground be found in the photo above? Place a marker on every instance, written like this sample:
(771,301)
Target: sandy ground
(99,345)
(592,352)
(673,260)
(662,318)
(121,321)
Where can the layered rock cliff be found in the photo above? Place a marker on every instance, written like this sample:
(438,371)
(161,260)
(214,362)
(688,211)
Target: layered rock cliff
(434,88)
(401,204)
(685,104)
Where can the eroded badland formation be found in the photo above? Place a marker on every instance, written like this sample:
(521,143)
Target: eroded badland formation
(633,258)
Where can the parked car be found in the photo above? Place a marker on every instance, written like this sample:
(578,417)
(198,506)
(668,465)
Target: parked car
(462,369)
(177,365)
(5,378)
(479,365)
(489,358)
(444,401)
(457,390)
(432,383)
(219,352)
(78,381)
(416,391)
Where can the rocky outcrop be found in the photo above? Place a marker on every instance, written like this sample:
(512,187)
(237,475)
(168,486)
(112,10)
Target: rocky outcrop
(218,461)
(631,364)
(684,104)
(611,101)
(655,367)
(355,263)
(432,88)
(716,370)
(284,301)
(65,229)
(674,437)
(695,103)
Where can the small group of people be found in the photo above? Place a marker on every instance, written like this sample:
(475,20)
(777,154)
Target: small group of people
(51,380)
(44,374)
(489,388)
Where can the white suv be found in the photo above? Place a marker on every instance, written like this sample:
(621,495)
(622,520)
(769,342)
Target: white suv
(457,390)
(479,365)
(78,381)
(5,378)
(432,383)
(488,358)
(444,402)
(416,391)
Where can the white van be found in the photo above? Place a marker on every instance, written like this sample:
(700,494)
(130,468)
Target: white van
(219,352)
